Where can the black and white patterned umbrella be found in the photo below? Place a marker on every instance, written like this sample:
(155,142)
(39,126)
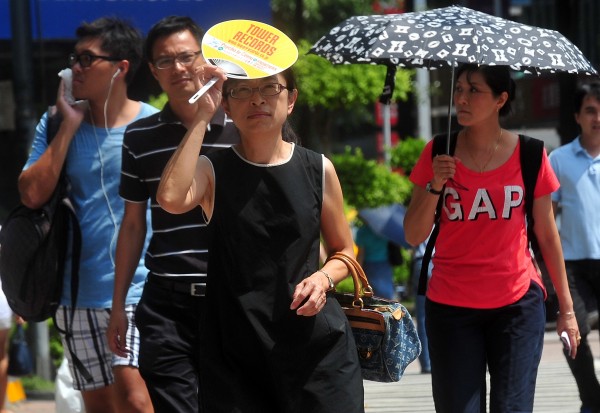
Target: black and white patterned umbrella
(447,37)
(450,36)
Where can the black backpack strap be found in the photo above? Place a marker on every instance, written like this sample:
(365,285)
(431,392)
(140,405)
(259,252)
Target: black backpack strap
(75,258)
(439,144)
(531,162)
(423,276)
(52,126)
(53,123)
(438,148)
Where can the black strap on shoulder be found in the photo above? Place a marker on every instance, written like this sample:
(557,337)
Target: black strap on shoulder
(53,123)
(52,126)
(531,161)
(438,148)
(439,144)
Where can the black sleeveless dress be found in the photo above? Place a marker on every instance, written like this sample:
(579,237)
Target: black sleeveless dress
(259,356)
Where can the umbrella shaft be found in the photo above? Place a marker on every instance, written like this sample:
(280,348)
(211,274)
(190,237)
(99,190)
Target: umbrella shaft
(450,111)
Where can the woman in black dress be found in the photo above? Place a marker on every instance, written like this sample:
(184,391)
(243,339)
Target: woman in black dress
(274,340)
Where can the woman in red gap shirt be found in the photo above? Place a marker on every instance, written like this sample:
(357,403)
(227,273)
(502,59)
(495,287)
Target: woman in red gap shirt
(484,308)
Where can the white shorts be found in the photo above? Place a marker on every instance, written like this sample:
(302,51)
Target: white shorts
(88,342)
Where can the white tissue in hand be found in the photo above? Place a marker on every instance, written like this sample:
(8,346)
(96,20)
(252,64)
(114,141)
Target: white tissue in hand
(67,76)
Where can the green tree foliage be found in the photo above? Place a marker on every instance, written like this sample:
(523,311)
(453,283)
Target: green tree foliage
(406,153)
(368,184)
(310,19)
(336,99)
(158,101)
(332,87)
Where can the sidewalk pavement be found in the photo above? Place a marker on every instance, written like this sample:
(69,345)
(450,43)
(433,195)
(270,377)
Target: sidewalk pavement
(33,406)
(556,391)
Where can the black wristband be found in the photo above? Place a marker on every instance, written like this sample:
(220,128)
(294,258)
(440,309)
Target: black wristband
(430,189)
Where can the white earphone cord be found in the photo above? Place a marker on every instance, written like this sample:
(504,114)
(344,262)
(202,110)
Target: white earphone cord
(101,159)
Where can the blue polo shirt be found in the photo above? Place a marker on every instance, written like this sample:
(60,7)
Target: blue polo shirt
(94,172)
(579,199)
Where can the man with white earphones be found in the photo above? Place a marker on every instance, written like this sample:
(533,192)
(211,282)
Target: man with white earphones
(88,143)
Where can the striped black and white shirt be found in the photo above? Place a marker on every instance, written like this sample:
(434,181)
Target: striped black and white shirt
(179,243)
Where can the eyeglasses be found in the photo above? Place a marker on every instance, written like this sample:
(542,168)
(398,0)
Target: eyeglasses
(185,59)
(269,89)
(86,59)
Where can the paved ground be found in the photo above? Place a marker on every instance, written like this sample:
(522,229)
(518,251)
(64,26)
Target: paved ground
(556,391)
(34,406)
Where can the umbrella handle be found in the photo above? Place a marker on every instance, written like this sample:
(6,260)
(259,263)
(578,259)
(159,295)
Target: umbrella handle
(389,85)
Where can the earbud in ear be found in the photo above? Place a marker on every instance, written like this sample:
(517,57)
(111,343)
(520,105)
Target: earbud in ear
(116,73)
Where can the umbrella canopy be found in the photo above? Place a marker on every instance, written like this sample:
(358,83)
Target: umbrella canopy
(450,36)
(387,222)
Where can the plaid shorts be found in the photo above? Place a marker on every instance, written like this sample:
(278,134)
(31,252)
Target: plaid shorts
(88,342)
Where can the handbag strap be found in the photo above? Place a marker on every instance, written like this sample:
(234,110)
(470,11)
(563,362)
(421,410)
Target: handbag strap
(362,288)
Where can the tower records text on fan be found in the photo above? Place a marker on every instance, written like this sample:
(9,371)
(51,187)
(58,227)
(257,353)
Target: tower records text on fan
(256,39)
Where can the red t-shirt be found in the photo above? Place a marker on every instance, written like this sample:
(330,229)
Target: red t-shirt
(481,257)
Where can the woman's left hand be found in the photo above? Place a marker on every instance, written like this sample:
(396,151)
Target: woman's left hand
(568,323)
(309,296)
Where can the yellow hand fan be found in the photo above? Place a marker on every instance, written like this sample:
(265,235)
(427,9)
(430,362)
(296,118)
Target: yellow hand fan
(246,49)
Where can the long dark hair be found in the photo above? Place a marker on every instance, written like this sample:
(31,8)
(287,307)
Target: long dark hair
(287,132)
(497,78)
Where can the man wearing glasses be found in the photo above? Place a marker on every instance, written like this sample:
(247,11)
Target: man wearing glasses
(168,315)
(88,144)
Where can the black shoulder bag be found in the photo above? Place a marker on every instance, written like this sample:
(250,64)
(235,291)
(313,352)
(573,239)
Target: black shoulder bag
(33,250)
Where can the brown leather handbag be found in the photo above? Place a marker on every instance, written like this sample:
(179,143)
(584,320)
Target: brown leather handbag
(385,335)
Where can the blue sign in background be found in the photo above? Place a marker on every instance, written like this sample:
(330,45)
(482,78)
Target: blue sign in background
(58,19)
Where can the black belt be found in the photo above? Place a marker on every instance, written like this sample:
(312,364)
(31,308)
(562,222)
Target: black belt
(196,289)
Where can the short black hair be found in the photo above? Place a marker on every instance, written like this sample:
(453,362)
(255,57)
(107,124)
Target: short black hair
(497,78)
(119,39)
(167,26)
(584,90)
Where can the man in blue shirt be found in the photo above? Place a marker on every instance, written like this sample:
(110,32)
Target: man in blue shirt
(577,166)
(88,143)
